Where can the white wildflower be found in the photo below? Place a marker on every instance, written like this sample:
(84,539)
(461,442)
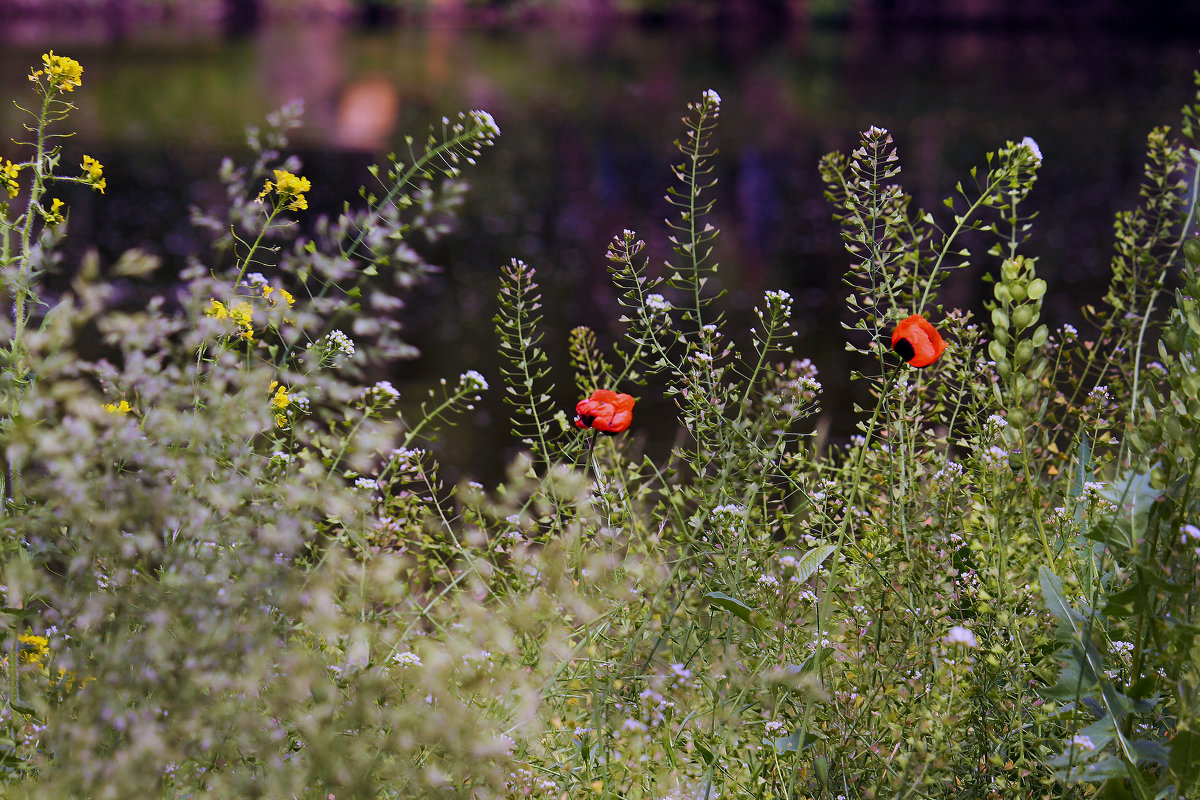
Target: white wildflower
(1033,148)
(958,635)
(472,381)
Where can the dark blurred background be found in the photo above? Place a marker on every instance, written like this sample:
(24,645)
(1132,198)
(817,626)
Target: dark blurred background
(588,95)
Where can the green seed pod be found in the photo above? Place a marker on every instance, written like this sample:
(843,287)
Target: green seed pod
(1017,416)
(999,318)
(1024,316)
(1023,352)
(996,350)
(1191,250)
(1003,368)
(1040,336)
(1028,390)
(1002,293)
(1002,336)
(1036,289)
(1017,290)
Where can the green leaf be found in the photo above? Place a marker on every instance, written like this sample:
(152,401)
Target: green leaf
(797,741)
(1056,602)
(1184,759)
(737,608)
(812,560)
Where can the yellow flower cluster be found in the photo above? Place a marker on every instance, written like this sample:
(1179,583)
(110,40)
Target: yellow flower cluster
(280,402)
(8,177)
(242,315)
(95,173)
(62,74)
(290,188)
(54,215)
(122,407)
(284,294)
(34,649)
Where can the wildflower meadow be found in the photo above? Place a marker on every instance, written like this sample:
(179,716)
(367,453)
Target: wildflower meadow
(231,568)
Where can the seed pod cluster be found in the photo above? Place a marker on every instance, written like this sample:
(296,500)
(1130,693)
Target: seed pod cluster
(1016,335)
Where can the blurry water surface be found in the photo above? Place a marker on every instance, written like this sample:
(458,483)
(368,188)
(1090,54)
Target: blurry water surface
(588,115)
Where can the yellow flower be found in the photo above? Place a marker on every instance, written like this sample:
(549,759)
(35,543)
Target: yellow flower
(34,649)
(62,74)
(95,173)
(54,216)
(290,188)
(8,177)
(242,315)
(216,309)
(122,407)
(280,402)
(269,290)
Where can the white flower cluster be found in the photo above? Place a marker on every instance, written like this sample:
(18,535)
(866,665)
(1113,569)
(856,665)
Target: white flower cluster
(958,635)
(730,510)
(365,484)
(657,304)
(711,96)
(408,459)
(994,458)
(951,471)
(1032,146)
(1082,742)
(486,121)
(779,299)
(406,659)
(472,381)
(382,392)
(340,343)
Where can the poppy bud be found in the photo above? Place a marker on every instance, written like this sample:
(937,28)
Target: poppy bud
(605,411)
(918,342)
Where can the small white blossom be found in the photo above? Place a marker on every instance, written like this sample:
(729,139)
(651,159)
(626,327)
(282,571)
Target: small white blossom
(1082,742)
(680,672)
(994,457)
(1033,148)
(711,96)
(406,659)
(472,381)
(486,121)
(958,635)
(657,303)
(383,392)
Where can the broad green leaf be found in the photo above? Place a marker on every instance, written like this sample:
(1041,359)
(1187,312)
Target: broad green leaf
(1056,602)
(812,560)
(737,608)
(797,741)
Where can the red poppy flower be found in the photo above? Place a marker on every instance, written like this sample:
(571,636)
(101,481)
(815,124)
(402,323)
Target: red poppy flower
(918,342)
(606,411)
